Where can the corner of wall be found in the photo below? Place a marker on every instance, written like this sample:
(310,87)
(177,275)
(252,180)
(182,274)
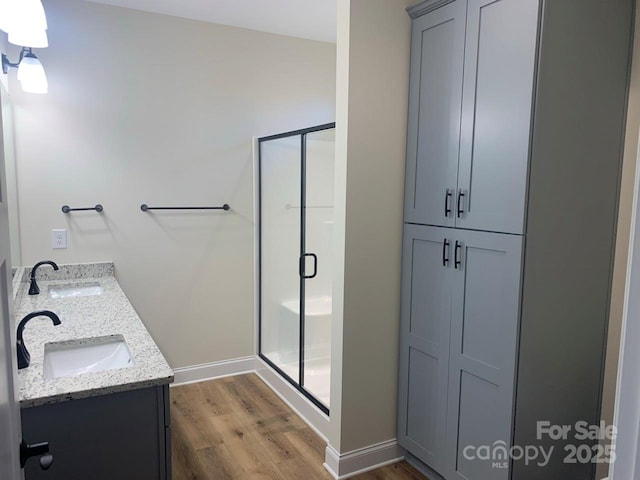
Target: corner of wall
(347,465)
(370,156)
(340,188)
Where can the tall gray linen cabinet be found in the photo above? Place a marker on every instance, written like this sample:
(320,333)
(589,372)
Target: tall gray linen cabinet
(516,125)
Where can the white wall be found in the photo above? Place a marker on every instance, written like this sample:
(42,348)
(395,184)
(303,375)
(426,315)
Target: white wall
(372,91)
(146,108)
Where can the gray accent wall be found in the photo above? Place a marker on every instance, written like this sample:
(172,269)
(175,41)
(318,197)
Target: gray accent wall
(574,180)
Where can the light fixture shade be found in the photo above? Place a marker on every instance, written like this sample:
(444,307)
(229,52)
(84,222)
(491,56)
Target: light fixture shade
(7,10)
(35,87)
(28,14)
(31,75)
(26,23)
(29,38)
(39,17)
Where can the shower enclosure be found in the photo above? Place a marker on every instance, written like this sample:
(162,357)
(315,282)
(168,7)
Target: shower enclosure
(296,176)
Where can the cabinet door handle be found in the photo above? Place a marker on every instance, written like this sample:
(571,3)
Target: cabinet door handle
(445,253)
(458,251)
(302,265)
(461,195)
(36,450)
(447,202)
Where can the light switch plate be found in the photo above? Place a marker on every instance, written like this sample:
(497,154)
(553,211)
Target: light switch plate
(58,238)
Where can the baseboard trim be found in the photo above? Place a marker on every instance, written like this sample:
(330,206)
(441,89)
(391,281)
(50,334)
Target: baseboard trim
(350,464)
(307,411)
(213,370)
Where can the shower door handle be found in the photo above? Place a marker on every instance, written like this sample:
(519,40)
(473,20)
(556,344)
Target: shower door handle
(302,265)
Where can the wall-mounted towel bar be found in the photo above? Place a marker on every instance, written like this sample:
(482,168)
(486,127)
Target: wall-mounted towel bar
(66,209)
(145,208)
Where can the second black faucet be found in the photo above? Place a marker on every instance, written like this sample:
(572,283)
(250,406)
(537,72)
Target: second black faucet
(24,358)
(33,288)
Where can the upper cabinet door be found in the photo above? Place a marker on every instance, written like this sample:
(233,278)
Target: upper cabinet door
(435,101)
(500,58)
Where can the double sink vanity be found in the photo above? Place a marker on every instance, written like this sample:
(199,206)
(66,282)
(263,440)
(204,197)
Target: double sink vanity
(96,384)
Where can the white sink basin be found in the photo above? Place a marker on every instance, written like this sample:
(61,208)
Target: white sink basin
(75,290)
(76,357)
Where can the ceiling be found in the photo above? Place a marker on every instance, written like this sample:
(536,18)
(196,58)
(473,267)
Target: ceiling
(312,19)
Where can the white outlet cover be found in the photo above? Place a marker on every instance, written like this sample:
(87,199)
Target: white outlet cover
(58,238)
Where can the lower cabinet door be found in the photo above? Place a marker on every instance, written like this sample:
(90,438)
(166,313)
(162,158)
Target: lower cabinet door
(425,325)
(483,348)
(117,436)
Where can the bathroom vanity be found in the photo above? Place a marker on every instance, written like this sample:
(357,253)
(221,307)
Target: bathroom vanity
(97,386)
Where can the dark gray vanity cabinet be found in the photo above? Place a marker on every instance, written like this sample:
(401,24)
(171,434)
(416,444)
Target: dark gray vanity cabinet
(514,146)
(124,435)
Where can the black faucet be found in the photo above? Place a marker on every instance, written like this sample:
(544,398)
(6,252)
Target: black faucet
(24,358)
(33,288)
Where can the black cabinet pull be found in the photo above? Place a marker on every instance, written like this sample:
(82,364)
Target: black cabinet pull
(302,265)
(445,251)
(458,250)
(461,195)
(36,450)
(447,202)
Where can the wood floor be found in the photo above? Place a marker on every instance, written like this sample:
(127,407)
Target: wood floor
(237,428)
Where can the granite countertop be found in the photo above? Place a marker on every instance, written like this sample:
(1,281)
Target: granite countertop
(108,314)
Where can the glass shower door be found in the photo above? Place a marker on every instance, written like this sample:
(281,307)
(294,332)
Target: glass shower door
(319,148)
(296,241)
(280,233)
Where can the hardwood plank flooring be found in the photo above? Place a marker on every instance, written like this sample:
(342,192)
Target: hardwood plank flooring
(236,428)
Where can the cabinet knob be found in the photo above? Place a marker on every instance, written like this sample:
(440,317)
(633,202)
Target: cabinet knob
(46,461)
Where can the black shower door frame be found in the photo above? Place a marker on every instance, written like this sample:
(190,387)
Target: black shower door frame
(298,383)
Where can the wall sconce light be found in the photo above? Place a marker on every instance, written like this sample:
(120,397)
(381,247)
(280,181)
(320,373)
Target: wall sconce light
(30,71)
(25,21)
